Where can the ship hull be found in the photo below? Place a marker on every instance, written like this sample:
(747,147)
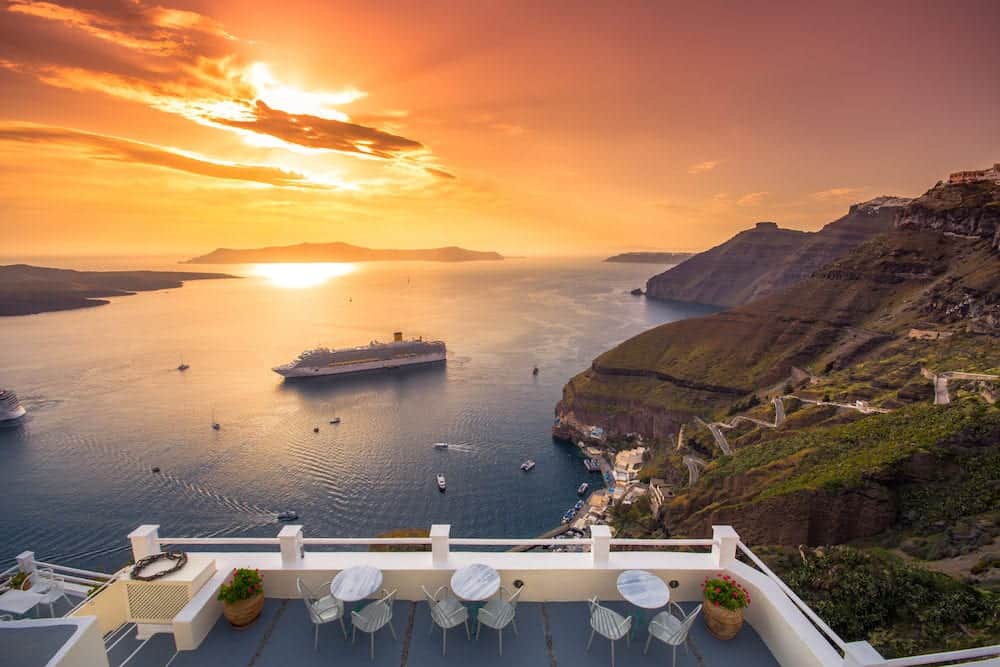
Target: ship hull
(11,415)
(360,367)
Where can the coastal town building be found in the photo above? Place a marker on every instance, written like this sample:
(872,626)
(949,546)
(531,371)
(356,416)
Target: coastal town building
(975,176)
(628,463)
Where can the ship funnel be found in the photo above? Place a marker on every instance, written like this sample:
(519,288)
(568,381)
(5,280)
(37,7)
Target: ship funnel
(398,336)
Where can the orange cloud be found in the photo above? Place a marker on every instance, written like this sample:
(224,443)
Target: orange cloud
(752,198)
(124,150)
(834,194)
(701,167)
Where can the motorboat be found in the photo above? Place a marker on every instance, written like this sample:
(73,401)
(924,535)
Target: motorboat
(335,420)
(440,445)
(288,515)
(442,484)
(183,367)
(582,489)
(527,465)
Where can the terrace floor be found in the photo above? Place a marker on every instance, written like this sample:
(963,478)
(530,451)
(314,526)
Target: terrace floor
(550,634)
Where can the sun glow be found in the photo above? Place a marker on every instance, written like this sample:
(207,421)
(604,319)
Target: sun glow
(295,100)
(300,276)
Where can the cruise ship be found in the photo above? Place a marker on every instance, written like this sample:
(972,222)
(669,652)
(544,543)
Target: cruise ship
(10,407)
(371,357)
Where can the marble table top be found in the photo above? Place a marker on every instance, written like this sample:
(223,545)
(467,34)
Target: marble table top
(475,582)
(356,583)
(19,602)
(643,589)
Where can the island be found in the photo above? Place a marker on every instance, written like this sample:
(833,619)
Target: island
(28,290)
(339,252)
(650,257)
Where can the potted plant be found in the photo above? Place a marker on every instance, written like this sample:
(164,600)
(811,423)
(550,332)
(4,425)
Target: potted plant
(724,603)
(242,597)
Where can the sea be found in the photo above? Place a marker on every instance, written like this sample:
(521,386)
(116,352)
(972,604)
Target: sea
(106,403)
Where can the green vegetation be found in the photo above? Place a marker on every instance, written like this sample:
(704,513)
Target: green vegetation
(842,456)
(900,608)
(244,584)
(635,520)
(402,532)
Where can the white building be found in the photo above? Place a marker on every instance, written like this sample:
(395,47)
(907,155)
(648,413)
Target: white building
(628,463)
(991,174)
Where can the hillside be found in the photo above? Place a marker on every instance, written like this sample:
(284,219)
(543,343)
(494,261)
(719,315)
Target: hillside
(760,261)
(338,252)
(665,258)
(828,473)
(27,290)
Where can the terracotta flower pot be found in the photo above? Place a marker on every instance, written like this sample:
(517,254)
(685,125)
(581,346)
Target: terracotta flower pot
(243,612)
(723,623)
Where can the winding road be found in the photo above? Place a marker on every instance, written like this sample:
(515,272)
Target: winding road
(940,382)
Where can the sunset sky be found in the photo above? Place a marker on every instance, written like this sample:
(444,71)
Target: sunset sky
(527,128)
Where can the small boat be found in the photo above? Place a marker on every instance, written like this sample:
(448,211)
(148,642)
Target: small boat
(288,515)
(315,429)
(591,465)
(578,506)
(440,445)
(156,469)
(568,516)
(335,420)
(183,367)
(535,371)
(527,465)
(441,481)
(215,425)
(583,489)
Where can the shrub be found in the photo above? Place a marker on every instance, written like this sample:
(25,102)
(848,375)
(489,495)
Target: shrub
(243,585)
(724,591)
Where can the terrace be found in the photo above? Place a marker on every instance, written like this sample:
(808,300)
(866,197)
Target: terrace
(157,626)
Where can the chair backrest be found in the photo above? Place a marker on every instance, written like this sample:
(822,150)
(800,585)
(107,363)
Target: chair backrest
(624,625)
(308,598)
(512,597)
(689,621)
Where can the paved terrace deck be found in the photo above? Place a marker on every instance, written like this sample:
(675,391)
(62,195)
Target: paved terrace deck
(551,634)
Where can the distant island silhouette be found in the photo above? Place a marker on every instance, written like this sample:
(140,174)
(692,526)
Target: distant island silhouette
(28,290)
(338,252)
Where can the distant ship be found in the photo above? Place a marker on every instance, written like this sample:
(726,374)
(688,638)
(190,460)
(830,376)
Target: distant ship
(10,407)
(374,356)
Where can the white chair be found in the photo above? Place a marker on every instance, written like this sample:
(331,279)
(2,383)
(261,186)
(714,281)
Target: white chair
(52,587)
(609,624)
(498,613)
(447,611)
(672,629)
(375,616)
(321,609)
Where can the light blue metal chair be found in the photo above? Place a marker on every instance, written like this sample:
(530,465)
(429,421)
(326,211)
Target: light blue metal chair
(321,609)
(373,617)
(609,624)
(447,611)
(672,629)
(499,612)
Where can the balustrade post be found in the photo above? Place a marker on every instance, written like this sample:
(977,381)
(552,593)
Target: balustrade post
(724,542)
(862,654)
(26,562)
(145,541)
(600,548)
(440,535)
(292,549)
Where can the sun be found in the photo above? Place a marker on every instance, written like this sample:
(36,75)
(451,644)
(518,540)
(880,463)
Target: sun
(300,276)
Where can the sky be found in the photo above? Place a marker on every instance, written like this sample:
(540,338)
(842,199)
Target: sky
(523,127)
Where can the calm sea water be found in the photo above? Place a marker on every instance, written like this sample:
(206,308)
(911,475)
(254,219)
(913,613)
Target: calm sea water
(106,404)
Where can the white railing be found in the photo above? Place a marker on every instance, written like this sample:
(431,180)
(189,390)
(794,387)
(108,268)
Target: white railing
(724,544)
(948,656)
(796,600)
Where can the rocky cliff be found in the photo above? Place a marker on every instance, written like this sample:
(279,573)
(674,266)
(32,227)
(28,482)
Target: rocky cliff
(766,259)
(840,335)
(966,209)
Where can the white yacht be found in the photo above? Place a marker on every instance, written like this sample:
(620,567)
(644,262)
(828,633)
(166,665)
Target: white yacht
(371,357)
(528,465)
(441,481)
(10,407)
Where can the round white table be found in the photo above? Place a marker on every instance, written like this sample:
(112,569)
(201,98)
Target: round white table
(356,583)
(643,589)
(475,583)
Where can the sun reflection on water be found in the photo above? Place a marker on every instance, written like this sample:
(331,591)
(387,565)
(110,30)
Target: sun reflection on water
(299,276)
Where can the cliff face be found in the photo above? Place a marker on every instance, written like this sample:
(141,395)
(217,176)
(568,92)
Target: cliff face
(827,475)
(966,209)
(766,259)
